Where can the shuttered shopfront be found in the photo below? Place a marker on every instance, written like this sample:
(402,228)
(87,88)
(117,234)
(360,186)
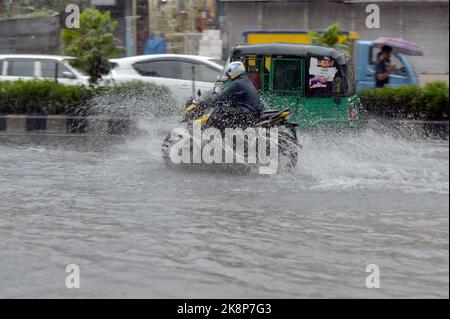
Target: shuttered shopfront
(423,22)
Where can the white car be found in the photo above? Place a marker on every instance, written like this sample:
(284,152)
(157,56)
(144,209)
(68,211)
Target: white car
(32,66)
(185,75)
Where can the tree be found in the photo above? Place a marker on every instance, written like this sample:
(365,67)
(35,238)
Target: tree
(91,44)
(331,37)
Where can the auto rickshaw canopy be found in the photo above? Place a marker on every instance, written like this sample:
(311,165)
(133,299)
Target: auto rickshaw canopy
(302,50)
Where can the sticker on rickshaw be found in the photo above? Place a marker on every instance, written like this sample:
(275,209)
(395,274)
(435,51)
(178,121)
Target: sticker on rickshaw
(321,71)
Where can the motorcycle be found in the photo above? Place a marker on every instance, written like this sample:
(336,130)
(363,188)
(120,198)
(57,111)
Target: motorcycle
(194,114)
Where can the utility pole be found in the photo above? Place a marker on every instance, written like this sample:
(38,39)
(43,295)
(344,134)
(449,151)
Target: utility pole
(135,17)
(149,5)
(131,26)
(128,31)
(192,15)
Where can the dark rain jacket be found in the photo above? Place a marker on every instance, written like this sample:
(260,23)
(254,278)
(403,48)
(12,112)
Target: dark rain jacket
(240,93)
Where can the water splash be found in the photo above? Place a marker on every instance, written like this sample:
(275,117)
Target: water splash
(385,155)
(376,158)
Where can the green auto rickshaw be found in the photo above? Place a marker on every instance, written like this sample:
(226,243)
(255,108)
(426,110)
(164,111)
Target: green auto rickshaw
(315,82)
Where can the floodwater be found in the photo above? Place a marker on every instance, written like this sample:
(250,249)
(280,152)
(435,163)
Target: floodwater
(136,228)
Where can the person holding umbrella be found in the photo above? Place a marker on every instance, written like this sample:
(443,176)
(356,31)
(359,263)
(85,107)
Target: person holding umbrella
(382,66)
(388,46)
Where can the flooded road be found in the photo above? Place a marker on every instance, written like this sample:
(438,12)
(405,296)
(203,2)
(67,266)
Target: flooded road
(139,229)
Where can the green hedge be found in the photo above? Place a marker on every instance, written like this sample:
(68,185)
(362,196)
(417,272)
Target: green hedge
(42,97)
(48,97)
(428,103)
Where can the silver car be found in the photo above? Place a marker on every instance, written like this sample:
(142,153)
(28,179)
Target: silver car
(38,66)
(185,75)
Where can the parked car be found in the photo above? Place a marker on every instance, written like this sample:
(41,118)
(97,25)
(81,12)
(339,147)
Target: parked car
(185,75)
(32,66)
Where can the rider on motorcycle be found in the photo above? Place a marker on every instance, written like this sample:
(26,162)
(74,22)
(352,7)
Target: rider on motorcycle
(238,105)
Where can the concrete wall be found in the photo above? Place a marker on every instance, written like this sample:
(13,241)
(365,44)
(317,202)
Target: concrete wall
(41,34)
(30,35)
(426,24)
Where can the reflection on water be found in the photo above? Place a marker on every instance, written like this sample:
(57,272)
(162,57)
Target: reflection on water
(139,229)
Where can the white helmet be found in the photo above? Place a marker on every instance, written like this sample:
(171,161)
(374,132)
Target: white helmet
(233,70)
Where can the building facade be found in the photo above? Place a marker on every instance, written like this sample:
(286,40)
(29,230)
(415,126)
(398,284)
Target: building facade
(423,22)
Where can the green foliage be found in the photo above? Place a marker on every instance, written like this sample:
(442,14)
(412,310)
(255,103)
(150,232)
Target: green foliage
(430,102)
(39,13)
(47,97)
(92,44)
(137,87)
(435,96)
(331,38)
(42,97)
